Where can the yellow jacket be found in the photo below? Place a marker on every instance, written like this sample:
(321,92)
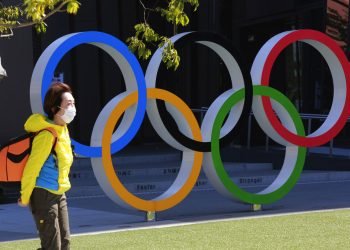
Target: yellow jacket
(41,149)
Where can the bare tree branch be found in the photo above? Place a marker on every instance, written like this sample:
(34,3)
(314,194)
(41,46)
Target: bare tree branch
(145,10)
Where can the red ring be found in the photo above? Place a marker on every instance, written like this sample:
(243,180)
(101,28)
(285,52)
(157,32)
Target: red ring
(265,77)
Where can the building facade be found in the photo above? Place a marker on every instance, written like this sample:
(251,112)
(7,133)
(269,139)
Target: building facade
(300,72)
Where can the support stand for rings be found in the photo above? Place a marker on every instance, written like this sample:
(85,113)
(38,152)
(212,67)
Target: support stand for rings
(256,207)
(150,216)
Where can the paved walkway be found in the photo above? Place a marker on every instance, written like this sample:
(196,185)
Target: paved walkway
(90,214)
(97,213)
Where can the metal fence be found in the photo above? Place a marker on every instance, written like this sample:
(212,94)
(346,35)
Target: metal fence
(308,117)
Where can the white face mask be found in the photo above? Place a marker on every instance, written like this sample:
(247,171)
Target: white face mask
(69,114)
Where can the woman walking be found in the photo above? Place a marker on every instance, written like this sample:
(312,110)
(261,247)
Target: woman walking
(45,178)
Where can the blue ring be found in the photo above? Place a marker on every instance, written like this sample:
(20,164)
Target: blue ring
(100,37)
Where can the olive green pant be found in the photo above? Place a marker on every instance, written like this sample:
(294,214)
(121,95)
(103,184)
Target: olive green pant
(51,218)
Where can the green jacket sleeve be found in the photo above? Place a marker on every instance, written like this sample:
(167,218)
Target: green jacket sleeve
(41,149)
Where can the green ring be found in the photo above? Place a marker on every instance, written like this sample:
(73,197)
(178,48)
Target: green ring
(218,165)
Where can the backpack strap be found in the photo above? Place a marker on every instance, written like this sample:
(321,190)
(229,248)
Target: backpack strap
(53,132)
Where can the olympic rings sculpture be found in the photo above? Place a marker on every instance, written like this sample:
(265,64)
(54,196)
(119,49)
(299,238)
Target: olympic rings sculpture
(200,145)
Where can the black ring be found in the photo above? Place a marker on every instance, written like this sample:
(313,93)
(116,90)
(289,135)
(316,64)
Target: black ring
(167,119)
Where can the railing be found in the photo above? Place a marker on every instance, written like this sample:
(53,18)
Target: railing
(303,116)
(202,112)
(308,117)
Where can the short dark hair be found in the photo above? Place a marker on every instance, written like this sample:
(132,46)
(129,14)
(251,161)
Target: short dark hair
(53,98)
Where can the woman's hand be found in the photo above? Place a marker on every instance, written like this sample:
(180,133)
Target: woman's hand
(19,203)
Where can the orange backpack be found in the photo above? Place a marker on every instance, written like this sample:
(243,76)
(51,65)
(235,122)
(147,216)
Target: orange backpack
(15,153)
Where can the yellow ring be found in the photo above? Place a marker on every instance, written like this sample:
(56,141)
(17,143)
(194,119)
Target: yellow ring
(118,187)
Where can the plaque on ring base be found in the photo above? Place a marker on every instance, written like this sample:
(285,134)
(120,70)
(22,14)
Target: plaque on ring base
(151,216)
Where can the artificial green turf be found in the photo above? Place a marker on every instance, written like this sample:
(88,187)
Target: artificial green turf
(319,230)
